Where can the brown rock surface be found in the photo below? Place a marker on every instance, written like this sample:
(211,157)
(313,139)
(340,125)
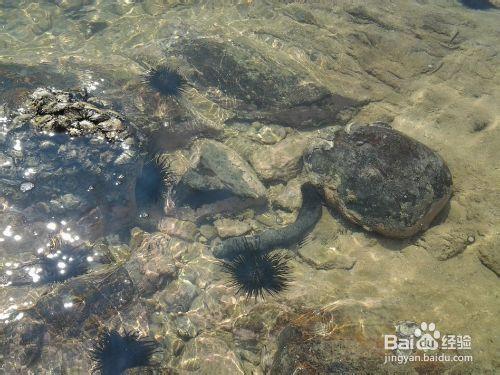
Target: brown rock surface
(281,161)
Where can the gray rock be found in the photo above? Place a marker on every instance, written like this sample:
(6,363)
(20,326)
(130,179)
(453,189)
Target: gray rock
(185,327)
(152,265)
(290,197)
(325,258)
(178,296)
(26,186)
(268,134)
(230,228)
(178,228)
(210,355)
(208,231)
(282,161)
(381,179)
(215,166)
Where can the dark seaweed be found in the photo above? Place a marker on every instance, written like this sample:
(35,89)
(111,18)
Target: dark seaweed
(113,353)
(270,239)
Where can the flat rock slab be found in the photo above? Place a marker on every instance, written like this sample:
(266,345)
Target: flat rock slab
(489,255)
(324,258)
(381,179)
(230,228)
(215,166)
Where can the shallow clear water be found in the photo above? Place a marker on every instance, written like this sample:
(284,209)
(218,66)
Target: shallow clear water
(98,235)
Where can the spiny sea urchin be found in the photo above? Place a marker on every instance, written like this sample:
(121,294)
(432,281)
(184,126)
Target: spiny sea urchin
(166,80)
(154,182)
(255,274)
(113,353)
(149,187)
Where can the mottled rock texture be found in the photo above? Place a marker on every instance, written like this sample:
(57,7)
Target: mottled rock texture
(259,89)
(381,179)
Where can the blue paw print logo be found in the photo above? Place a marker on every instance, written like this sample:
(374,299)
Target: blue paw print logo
(427,336)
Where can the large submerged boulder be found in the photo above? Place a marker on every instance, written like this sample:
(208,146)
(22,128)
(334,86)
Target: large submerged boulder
(240,77)
(381,179)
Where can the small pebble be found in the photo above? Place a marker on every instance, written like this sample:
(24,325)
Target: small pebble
(27,186)
(471,239)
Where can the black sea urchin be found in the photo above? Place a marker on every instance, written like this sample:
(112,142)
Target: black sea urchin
(149,187)
(114,353)
(255,274)
(154,182)
(165,80)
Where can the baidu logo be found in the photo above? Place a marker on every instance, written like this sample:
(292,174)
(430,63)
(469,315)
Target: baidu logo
(427,336)
(424,337)
(423,342)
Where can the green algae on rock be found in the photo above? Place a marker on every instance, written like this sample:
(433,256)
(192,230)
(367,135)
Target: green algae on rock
(381,179)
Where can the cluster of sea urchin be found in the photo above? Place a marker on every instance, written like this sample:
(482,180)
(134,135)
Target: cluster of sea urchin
(165,80)
(114,353)
(255,273)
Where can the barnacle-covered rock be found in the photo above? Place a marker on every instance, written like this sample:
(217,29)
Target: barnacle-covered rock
(59,164)
(54,110)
